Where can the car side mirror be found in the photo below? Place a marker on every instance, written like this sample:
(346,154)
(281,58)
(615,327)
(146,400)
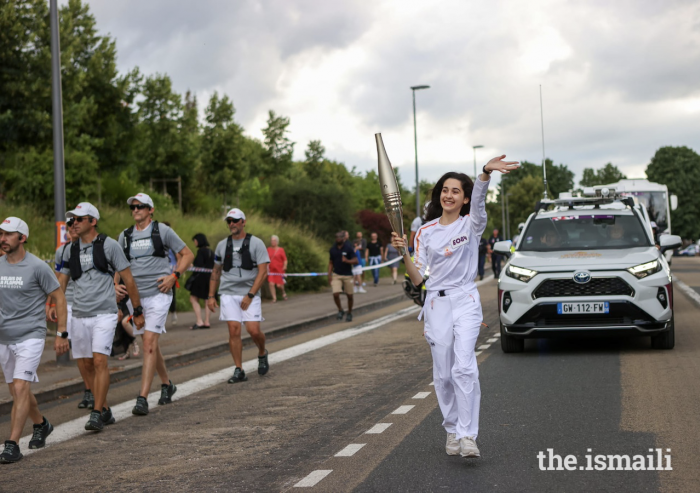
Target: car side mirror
(669,242)
(502,247)
(674,202)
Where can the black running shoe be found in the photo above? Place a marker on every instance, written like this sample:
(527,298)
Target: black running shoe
(88,401)
(107,416)
(41,431)
(238,376)
(348,317)
(95,422)
(11,453)
(141,407)
(263,364)
(340,315)
(166,393)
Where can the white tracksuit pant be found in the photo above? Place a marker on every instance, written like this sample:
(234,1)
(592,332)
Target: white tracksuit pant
(452,325)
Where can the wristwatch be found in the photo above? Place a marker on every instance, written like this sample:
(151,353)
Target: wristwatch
(177,274)
(62,335)
(251,295)
(484,170)
(138,311)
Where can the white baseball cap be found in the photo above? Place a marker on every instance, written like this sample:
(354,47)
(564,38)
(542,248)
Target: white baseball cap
(141,197)
(15,224)
(84,209)
(235,214)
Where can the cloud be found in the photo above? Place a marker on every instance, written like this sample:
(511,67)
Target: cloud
(619,79)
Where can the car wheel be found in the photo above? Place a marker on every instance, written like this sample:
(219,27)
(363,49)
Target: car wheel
(665,340)
(510,344)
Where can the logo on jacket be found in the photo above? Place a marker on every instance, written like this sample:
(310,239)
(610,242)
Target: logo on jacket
(455,243)
(582,277)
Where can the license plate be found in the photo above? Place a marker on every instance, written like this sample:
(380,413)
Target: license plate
(583,308)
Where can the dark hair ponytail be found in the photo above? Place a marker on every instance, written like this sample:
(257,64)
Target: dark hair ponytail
(435,207)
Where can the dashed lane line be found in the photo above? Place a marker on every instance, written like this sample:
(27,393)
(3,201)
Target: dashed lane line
(484,346)
(402,409)
(492,340)
(421,395)
(312,479)
(76,427)
(350,450)
(378,428)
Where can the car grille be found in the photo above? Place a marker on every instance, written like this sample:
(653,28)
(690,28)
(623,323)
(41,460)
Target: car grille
(598,286)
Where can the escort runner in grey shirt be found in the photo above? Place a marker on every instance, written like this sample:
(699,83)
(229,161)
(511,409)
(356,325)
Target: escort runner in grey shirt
(146,268)
(94,291)
(24,287)
(238,281)
(70,289)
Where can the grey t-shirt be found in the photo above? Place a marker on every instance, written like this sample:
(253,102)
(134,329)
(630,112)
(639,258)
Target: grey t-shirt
(146,268)
(24,287)
(238,281)
(94,290)
(70,289)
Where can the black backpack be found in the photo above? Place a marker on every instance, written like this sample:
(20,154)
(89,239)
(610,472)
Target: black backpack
(99,259)
(156,240)
(247,262)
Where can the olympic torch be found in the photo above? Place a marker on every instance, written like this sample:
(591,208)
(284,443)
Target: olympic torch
(390,190)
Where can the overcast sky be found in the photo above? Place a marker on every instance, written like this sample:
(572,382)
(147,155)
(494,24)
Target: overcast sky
(619,79)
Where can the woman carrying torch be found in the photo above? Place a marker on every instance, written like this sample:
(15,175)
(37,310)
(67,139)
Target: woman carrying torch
(449,243)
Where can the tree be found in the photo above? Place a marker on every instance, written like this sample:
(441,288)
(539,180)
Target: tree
(315,156)
(602,176)
(679,169)
(559,177)
(280,148)
(223,165)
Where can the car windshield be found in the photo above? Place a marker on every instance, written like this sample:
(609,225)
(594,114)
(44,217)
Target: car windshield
(595,231)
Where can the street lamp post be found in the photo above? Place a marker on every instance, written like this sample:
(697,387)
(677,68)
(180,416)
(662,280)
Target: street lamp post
(415,141)
(475,148)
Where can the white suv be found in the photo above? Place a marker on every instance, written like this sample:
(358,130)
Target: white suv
(587,265)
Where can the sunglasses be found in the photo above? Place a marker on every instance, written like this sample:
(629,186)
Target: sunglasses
(140,207)
(230,220)
(70,222)
(80,219)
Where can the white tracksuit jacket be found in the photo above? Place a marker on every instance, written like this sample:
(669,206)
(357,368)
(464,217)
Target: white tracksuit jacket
(452,322)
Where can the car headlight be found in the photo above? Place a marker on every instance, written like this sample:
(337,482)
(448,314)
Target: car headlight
(642,270)
(520,273)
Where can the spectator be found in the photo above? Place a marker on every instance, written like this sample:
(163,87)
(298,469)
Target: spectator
(342,258)
(483,250)
(391,253)
(374,254)
(198,282)
(363,247)
(495,258)
(278,265)
(357,268)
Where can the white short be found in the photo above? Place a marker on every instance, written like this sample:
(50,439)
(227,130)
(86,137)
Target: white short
(20,361)
(231,309)
(155,311)
(93,335)
(69,319)
(357,270)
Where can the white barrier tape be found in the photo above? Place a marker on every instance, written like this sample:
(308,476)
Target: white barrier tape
(294,274)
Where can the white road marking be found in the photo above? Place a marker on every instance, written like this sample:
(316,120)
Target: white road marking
(350,450)
(497,334)
(313,478)
(432,383)
(421,395)
(76,427)
(484,346)
(378,428)
(402,409)
(492,340)
(692,294)
(477,353)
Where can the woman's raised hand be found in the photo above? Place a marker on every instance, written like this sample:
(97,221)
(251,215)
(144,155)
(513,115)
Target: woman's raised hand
(498,164)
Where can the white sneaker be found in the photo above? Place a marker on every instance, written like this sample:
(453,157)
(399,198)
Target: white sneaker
(354,289)
(452,445)
(468,448)
(174,320)
(361,290)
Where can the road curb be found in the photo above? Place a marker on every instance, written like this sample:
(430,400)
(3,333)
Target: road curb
(76,385)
